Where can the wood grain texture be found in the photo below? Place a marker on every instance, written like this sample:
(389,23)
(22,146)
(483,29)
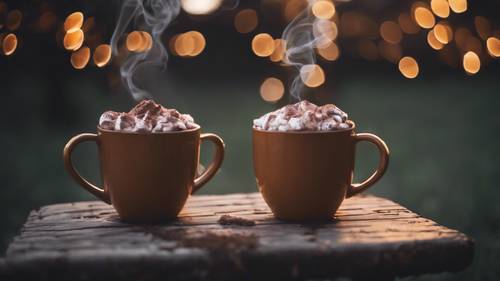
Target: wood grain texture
(369,238)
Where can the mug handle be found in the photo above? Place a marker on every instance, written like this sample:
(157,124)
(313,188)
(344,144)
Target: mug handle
(68,164)
(215,165)
(356,188)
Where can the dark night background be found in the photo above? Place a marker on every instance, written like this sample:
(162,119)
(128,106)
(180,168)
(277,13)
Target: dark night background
(442,128)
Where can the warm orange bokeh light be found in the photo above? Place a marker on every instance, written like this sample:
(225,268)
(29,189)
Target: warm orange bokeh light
(471,63)
(443,32)
(198,41)
(390,52)
(461,36)
(440,8)
(184,45)
(323,9)
(391,32)
(80,58)
(493,45)
(483,27)
(325,32)
(458,6)
(433,42)
(293,8)
(73,22)
(263,45)
(139,41)
(408,67)
(272,89)
(9,44)
(73,40)
(424,17)
(312,75)
(102,55)
(330,53)
(279,50)
(14,19)
(407,24)
(246,21)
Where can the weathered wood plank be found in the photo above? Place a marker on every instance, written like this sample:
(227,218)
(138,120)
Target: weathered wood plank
(369,237)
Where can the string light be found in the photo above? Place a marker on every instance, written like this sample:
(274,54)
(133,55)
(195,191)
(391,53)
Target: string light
(458,6)
(493,46)
(199,42)
(279,50)
(272,90)
(246,21)
(323,9)
(9,44)
(408,66)
(330,53)
(471,63)
(424,17)
(73,22)
(443,32)
(391,32)
(440,8)
(433,42)
(263,45)
(14,19)
(102,55)
(73,40)
(312,75)
(80,58)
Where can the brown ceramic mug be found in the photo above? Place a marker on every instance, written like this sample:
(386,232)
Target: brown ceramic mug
(306,175)
(147,177)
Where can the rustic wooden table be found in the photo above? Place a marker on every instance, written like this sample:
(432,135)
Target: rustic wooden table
(370,238)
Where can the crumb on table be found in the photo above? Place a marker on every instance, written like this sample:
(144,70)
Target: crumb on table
(232,220)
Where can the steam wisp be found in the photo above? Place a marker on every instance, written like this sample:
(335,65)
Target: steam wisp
(152,16)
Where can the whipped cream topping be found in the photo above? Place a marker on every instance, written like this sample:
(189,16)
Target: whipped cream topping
(303,116)
(147,117)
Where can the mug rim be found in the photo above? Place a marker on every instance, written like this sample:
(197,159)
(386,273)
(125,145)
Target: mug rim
(197,128)
(305,132)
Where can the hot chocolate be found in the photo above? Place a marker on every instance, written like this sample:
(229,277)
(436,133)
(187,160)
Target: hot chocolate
(303,116)
(147,117)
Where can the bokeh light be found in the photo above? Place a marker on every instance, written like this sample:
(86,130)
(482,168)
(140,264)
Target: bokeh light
(323,9)
(471,63)
(330,52)
(461,36)
(200,7)
(433,42)
(312,75)
(102,55)
(9,44)
(324,31)
(493,46)
(440,8)
(184,45)
(424,17)
(407,24)
(73,40)
(198,41)
(80,58)
(246,21)
(458,6)
(293,8)
(473,44)
(263,45)
(483,27)
(73,22)
(390,52)
(408,66)
(139,41)
(443,32)
(391,32)
(272,89)
(279,50)
(14,19)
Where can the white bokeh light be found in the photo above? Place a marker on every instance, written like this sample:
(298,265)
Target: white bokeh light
(200,7)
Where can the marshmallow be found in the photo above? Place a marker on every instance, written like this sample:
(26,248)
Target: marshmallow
(147,117)
(303,116)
